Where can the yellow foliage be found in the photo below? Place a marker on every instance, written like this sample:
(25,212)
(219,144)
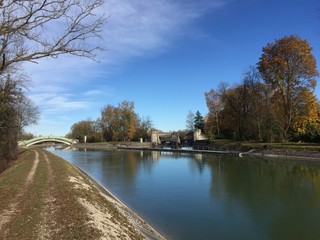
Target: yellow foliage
(308,114)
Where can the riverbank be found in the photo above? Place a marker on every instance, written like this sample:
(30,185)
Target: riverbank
(301,152)
(45,197)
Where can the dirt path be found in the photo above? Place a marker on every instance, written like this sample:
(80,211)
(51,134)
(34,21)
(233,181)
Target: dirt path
(48,222)
(45,197)
(8,213)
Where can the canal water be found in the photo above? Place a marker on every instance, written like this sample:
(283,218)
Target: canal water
(206,196)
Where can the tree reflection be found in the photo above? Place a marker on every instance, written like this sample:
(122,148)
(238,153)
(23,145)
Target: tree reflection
(255,198)
(281,196)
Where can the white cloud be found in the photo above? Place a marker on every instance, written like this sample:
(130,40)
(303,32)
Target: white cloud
(48,88)
(57,100)
(138,27)
(51,103)
(134,28)
(94,93)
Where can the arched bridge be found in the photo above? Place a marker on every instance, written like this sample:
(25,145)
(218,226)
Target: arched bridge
(37,140)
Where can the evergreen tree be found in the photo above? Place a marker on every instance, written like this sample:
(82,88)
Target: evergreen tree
(199,121)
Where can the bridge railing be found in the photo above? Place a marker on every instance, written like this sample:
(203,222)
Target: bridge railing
(48,138)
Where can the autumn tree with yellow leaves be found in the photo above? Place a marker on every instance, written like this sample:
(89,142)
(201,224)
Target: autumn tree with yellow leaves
(289,67)
(275,100)
(122,123)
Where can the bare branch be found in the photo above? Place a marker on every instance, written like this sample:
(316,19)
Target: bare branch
(31,30)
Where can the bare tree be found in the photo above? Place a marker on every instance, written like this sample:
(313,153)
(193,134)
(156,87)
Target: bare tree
(214,104)
(190,121)
(10,95)
(31,30)
(27,113)
(143,129)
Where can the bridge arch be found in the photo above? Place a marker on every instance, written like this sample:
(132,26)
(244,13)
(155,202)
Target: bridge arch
(33,141)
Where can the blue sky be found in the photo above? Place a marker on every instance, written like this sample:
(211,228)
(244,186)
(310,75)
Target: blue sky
(164,55)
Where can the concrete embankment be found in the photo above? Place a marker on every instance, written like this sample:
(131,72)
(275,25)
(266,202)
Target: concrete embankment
(180,150)
(148,147)
(113,145)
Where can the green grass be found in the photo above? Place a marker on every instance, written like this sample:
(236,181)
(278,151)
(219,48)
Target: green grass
(26,223)
(13,179)
(246,146)
(69,215)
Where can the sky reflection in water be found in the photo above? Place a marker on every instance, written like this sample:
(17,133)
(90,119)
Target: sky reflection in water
(189,196)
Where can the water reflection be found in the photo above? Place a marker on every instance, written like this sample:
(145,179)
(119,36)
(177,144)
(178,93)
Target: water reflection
(283,198)
(205,196)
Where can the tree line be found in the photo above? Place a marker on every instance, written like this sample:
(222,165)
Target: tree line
(16,112)
(116,123)
(275,100)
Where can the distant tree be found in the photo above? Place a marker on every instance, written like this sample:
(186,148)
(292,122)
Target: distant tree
(290,68)
(210,126)
(119,123)
(128,120)
(108,122)
(190,121)
(199,121)
(27,113)
(246,110)
(260,115)
(86,128)
(25,136)
(235,110)
(143,129)
(215,106)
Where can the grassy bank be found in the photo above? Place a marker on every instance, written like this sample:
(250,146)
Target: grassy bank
(45,197)
(248,145)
